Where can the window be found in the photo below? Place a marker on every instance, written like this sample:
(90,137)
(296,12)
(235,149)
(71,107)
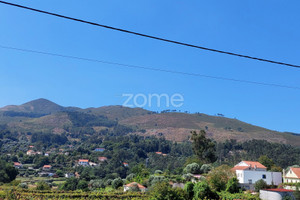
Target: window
(264,176)
(250,181)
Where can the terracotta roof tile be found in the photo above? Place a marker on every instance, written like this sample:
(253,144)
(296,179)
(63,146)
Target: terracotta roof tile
(296,171)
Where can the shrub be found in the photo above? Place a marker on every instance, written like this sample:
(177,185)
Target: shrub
(42,185)
(233,185)
(205,168)
(202,190)
(70,184)
(192,168)
(163,191)
(219,177)
(82,185)
(116,183)
(259,185)
(130,177)
(189,188)
(23,185)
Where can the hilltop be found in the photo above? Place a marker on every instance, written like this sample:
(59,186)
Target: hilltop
(43,115)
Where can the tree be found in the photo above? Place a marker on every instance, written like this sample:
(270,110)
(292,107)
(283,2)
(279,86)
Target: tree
(202,191)
(82,185)
(192,168)
(205,168)
(233,185)
(266,161)
(189,188)
(203,147)
(59,173)
(70,184)
(7,172)
(259,185)
(116,183)
(219,177)
(163,191)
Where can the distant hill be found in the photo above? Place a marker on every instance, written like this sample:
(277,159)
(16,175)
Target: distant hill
(43,115)
(39,106)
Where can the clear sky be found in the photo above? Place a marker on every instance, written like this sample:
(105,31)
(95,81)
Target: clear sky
(268,29)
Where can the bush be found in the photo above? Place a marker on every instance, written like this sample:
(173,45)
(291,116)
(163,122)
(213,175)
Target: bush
(42,185)
(193,168)
(82,185)
(70,184)
(95,184)
(202,190)
(130,177)
(259,185)
(163,191)
(189,188)
(108,182)
(156,179)
(116,183)
(23,185)
(158,172)
(205,168)
(219,177)
(233,185)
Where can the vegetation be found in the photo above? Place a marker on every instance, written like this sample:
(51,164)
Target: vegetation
(166,168)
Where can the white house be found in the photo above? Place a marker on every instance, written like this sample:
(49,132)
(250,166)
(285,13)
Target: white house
(83,162)
(18,165)
(292,175)
(248,172)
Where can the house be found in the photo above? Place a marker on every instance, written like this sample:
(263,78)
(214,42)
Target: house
(134,185)
(69,175)
(248,172)
(31,146)
(83,162)
(292,175)
(30,152)
(158,153)
(47,167)
(18,165)
(99,149)
(276,194)
(102,159)
(125,164)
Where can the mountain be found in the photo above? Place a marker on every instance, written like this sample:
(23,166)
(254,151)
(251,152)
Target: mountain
(39,106)
(43,115)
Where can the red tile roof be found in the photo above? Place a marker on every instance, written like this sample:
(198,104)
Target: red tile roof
(279,190)
(158,152)
(240,168)
(133,183)
(254,163)
(47,166)
(17,164)
(296,171)
(83,160)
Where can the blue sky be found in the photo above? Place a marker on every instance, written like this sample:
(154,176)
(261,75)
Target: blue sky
(268,29)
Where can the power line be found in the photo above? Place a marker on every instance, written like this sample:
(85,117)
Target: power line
(152,37)
(148,68)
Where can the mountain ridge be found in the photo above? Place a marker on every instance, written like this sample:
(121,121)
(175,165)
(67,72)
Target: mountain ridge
(44,115)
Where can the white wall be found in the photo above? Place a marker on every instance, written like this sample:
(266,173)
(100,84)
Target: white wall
(245,175)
